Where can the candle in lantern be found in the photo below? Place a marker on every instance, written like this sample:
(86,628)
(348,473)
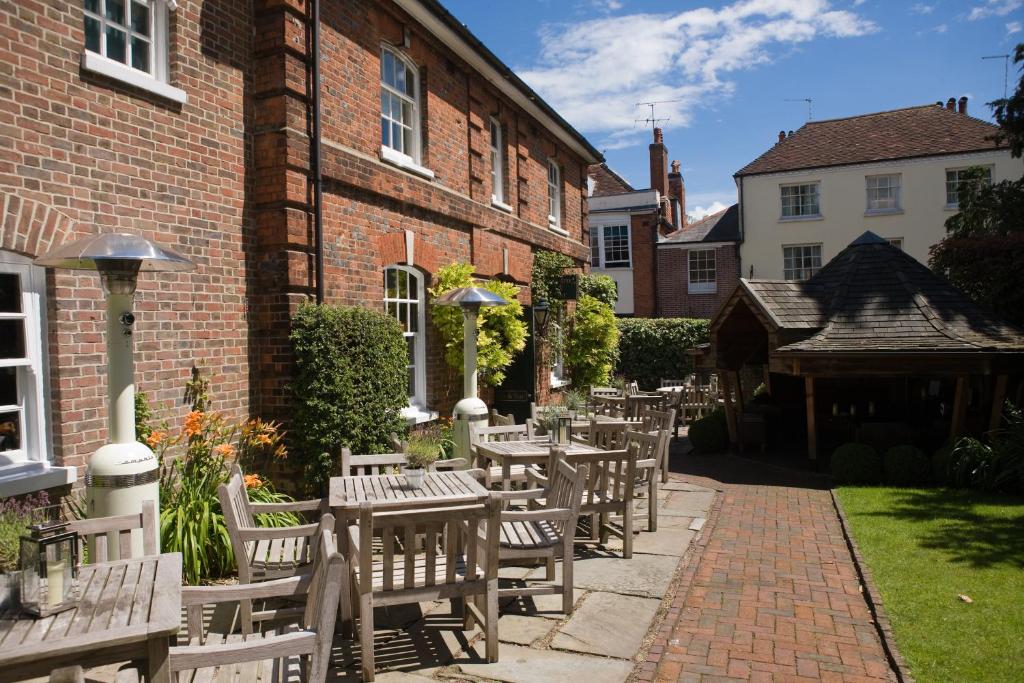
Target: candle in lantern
(55,582)
(835,409)
(853,409)
(871,407)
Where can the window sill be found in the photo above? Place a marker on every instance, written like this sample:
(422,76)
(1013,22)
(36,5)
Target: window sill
(559,383)
(951,207)
(416,415)
(99,64)
(405,162)
(883,212)
(554,228)
(800,219)
(712,290)
(501,206)
(29,477)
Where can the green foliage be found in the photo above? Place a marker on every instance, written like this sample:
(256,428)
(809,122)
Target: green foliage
(350,385)
(545,281)
(1009,111)
(710,434)
(143,416)
(423,450)
(995,466)
(15,516)
(594,344)
(601,287)
(856,463)
(501,330)
(905,466)
(653,348)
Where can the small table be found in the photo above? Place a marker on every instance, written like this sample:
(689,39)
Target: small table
(129,610)
(508,453)
(391,492)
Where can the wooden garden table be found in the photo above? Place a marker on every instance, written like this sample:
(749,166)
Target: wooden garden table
(390,492)
(508,453)
(129,610)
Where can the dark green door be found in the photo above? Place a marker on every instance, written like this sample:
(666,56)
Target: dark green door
(519,388)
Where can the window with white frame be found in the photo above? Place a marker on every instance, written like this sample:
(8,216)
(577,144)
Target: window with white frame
(883,192)
(399,105)
(23,433)
(702,276)
(128,40)
(497,162)
(955,177)
(801,261)
(609,246)
(800,201)
(896,242)
(554,194)
(404,300)
(595,247)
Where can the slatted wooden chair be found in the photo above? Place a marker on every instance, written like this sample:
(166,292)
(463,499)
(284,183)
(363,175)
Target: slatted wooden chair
(264,553)
(651,448)
(675,402)
(605,391)
(110,538)
(609,490)
(676,382)
(499,420)
(607,434)
(386,463)
(656,421)
(457,561)
(513,432)
(545,530)
(610,406)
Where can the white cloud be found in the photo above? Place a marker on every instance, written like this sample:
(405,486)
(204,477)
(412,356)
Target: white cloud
(702,211)
(607,5)
(921,8)
(594,72)
(1013,27)
(994,8)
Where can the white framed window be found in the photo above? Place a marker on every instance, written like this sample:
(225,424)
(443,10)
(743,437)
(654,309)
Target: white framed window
(128,40)
(399,105)
(801,261)
(595,247)
(497,162)
(883,193)
(896,242)
(610,246)
(800,201)
(554,194)
(404,300)
(702,275)
(955,177)
(558,376)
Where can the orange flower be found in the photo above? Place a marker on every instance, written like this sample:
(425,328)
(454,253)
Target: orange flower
(253,481)
(194,422)
(264,440)
(155,438)
(225,450)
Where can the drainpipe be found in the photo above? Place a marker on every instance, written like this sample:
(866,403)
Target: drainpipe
(742,226)
(314,158)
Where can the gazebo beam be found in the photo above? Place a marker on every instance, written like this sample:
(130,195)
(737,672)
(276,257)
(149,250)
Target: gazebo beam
(730,411)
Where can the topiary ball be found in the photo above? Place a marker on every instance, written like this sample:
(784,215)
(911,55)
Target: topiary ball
(710,434)
(905,466)
(856,463)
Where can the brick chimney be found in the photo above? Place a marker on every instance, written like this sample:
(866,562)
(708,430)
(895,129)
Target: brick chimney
(677,190)
(659,164)
(951,104)
(963,105)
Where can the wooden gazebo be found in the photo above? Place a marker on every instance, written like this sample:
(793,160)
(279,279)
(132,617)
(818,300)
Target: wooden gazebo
(871,312)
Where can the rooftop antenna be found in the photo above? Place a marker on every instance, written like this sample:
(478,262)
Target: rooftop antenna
(808,100)
(652,119)
(1006,69)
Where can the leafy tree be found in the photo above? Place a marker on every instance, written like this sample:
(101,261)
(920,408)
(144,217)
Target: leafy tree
(593,346)
(601,287)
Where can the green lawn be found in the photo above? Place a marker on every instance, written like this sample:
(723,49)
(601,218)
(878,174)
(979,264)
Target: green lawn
(925,547)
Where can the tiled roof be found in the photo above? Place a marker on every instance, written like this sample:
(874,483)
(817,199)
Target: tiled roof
(899,134)
(723,226)
(607,181)
(873,297)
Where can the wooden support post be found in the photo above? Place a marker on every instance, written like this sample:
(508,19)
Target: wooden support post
(963,388)
(739,393)
(730,411)
(767,379)
(812,432)
(998,397)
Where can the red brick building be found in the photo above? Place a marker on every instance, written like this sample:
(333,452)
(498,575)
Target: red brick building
(192,123)
(699,266)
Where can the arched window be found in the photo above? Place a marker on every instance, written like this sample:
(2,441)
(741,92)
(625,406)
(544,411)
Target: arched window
(404,299)
(399,105)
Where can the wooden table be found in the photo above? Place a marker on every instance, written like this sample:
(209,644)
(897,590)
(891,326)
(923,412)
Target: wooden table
(390,492)
(508,453)
(129,610)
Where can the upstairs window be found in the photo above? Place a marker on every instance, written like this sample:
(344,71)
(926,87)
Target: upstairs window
(801,261)
(800,201)
(399,105)
(595,247)
(609,246)
(403,300)
(883,193)
(702,272)
(896,242)
(955,177)
(497,163)
(554,194)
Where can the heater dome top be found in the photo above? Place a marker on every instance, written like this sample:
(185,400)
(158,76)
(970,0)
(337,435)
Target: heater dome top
(470,296)
(114,249)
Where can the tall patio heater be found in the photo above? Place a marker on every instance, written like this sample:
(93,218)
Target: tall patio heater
(470,409)
(124,472)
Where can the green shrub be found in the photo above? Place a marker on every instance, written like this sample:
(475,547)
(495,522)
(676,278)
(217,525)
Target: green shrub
(594,343)
(15,516)
(710,434)
(655,348)
(970,463)
(856,463)
(905,466)
(349,388)
(501,330)
(601,287)
(143,416)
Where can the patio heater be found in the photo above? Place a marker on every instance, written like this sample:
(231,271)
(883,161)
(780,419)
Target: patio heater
(470,409)
(124,472)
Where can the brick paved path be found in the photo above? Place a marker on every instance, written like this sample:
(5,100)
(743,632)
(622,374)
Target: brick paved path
(775,595)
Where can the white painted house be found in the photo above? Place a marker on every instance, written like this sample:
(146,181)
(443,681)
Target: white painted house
(894,173)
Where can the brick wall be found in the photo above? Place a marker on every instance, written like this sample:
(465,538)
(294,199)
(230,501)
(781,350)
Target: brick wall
(673,283)
(643,236)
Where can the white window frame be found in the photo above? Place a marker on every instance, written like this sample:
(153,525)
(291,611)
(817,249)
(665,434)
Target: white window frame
(703,286)
(896,242)
(598,231)
(418,399)
(811,269)
(816,184)
(497,162)
(554,194)
(392,154)
(157,80)
(894,183)
(956,183)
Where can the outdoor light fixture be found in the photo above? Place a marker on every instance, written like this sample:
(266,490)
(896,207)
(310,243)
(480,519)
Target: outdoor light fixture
(541,314)
(563,429)
(470,408)
(124,472)
(49,564)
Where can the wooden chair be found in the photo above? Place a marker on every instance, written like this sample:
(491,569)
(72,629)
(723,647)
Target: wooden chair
(545,532)
(264,553)
(499,420)
(466,569)
(610,406)
(673,382)
(632,388)
(513,432)
(651,450)
(656,421)
(101,535)
(608,435)
(386,463)
(675,402)
(609,490)
(237,657)
(605,391)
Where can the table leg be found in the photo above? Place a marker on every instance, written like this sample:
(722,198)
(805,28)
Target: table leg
(345,596)
(506,474)
(159,664)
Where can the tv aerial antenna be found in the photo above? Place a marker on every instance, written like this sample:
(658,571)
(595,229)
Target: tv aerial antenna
(651,118)
(807,100)
(1006,69)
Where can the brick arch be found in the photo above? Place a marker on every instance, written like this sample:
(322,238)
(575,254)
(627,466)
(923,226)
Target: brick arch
(30,227)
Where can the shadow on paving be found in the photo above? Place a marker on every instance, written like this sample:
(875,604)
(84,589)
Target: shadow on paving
(766,470)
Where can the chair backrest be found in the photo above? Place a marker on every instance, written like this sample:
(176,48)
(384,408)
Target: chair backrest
(604,391)
(499,420)
(566,484)
(99,533)
(362,465)
(653,420)
(503,433)
(612,406)
(328,565)
(397,444)
(454,531)
(672,382)
(632,388)
(651,446)
(609,436)
(611,476)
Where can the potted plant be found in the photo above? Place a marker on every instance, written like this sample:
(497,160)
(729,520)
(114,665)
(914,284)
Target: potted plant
(422,452)
(575,402)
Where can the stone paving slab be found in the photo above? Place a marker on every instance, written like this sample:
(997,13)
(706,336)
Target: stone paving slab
(646,576)
(687,504)
(521,630)
(525,665)
(667,540)
(607,624)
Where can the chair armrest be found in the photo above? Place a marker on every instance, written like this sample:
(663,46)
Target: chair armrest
(650,463)
(293,506)
(576,439)
(546,515)
(353,541)
(533,477)
(527,494)
(450,464)
(266,533)
(185,657)
(293,586)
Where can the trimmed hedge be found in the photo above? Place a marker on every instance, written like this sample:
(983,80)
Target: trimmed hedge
(906,466)
(601,287)
(710,434)
(651,349)
(593,344)
(856,463)
(350,385)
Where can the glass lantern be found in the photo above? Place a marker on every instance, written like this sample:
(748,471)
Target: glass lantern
(49,564)
(563,429)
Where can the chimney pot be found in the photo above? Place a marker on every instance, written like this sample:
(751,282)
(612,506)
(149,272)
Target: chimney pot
(675,167)
(658,137)
(963,105)
(789,134)
(939,104)
(782,135)
(951,104)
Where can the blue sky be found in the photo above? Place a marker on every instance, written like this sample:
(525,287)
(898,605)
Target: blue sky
(733,64)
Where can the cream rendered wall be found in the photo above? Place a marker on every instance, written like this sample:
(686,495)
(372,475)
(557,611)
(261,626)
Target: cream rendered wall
(843,202)
(623,276)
